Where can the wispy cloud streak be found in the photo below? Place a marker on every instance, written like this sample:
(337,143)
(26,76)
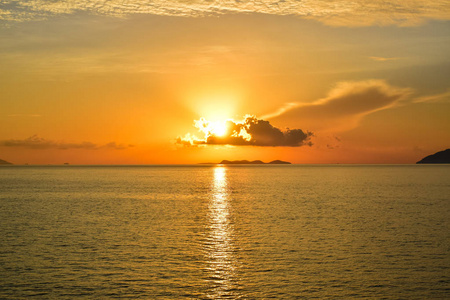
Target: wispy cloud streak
(382,59)
(24,115)
(345,105)
(443,97)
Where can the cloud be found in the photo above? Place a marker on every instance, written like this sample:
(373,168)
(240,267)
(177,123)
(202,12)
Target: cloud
(336,13)
(438,98)
(114,145)
(345,105)
(342,109)
(286,107)
(382,59)
(36,142)
(25,115)
(250,132)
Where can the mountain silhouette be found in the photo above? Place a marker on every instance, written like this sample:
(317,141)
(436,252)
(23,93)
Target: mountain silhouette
(4,162)
(441,157)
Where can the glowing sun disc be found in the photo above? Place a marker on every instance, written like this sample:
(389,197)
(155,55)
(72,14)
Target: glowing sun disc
(219,128)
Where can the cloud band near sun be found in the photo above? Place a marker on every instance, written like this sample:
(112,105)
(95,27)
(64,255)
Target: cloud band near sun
(249,132)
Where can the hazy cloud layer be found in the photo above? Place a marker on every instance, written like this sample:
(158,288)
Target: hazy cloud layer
(24,115)
(338,12)
(250,132)
(36,142)
(344,106)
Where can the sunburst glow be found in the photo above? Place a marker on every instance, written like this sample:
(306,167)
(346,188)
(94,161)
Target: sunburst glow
(217,128)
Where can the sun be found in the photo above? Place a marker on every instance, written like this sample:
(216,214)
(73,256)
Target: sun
(218,128)
(212,128)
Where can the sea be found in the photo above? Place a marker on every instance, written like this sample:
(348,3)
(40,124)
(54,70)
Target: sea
(225,232)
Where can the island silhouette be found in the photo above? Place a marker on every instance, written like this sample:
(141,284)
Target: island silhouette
(441,157)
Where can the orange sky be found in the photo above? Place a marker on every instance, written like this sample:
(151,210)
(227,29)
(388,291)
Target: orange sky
(101,82)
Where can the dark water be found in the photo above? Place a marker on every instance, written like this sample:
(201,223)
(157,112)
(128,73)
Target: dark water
(239,232)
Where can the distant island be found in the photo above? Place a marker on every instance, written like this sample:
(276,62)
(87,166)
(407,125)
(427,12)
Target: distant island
(4,162)
(254,162)
(441,157)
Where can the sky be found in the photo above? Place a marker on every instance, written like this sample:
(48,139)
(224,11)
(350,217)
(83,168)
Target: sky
(180,82)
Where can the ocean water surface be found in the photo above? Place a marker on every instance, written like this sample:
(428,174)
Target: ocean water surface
(225,232)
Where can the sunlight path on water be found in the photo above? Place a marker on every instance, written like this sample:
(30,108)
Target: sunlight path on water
(219,247)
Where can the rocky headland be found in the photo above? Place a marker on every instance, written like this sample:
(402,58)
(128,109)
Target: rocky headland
(441,157)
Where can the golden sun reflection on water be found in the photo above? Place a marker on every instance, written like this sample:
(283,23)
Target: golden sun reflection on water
(219,248)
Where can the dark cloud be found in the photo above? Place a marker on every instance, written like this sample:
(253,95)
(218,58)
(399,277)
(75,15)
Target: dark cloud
(36,142)
(250,132)
(114,145)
